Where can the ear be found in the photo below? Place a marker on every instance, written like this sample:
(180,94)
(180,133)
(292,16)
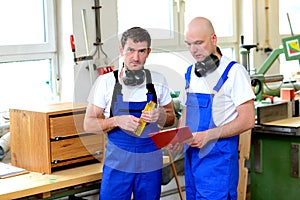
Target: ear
(121,50)
(214,39)
(149,50)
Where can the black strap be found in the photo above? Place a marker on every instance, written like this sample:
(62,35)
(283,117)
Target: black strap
(150,86)
(118,89)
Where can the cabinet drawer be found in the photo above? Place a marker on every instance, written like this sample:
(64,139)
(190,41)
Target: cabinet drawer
(66,125)
(76,147)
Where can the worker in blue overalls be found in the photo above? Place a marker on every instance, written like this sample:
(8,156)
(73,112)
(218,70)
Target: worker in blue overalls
(219,106)
(132,164)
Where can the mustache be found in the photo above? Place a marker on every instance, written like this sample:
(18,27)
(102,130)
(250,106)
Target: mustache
(135,61)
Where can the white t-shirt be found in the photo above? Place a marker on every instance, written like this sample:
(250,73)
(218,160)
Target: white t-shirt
(235,91)
(102,91)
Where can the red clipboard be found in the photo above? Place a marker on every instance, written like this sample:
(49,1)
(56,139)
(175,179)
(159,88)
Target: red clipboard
(171,136)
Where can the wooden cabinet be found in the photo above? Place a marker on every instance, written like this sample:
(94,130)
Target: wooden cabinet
(48,137)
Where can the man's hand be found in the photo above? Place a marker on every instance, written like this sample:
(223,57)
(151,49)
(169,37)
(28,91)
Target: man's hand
(199,140)
(127,122)
(178,147)
(151,116)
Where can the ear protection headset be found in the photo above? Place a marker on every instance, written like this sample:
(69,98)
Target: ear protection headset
(134,77)
(208,65)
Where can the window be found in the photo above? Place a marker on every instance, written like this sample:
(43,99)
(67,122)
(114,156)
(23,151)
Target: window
(169,24)
(170,52)
(289,8)
(161,26)
(27,52)
(223,23)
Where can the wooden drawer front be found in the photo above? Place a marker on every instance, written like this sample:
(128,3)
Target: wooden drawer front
(68,125)
(76,147)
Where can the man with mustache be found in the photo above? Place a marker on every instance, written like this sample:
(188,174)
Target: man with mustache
(132,163)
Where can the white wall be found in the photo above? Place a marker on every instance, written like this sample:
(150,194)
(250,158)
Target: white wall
(75,83)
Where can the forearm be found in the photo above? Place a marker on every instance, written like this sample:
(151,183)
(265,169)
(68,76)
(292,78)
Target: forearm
(228,130)
(166,117)
(244,121)
(100,125)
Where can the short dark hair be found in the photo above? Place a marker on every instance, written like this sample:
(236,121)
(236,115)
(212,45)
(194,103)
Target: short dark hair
(137,34)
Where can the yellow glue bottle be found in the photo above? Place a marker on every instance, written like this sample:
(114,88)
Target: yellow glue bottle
(149,106)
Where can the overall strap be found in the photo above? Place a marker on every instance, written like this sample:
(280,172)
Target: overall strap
(224,76)
(117,90)
(150,86)
(188,77)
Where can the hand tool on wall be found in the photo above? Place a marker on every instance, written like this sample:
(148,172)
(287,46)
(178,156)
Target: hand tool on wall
(102,58)
(87,45)
(73,47)
(78,59)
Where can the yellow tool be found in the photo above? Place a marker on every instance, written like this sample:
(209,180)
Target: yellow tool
(149,106)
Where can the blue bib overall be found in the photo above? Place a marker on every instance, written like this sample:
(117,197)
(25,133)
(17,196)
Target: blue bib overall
(132,164)
(211,172)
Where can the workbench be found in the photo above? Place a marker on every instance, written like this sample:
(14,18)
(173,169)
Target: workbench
(34,183)
(274,171)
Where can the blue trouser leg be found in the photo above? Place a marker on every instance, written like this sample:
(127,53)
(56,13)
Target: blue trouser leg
(145,191)
(115,184)
(118,185)
(189,180)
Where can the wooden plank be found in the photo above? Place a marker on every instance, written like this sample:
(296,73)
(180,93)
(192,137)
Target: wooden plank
(37,183)
(244,154)
(64,126)
(81,146)
(55,108)
(272,112)
(293,122)
(29,140)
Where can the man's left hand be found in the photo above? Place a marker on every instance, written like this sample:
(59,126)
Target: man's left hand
(200,139)
(150,116)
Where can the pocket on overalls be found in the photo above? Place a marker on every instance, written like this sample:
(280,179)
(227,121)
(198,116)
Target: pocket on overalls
(198,112)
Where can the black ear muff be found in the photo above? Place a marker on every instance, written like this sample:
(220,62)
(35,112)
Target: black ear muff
(208,65)
(134,77)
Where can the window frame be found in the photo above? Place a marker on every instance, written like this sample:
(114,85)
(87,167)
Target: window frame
(178,44)
(41,51)
(47,47)
(223,42)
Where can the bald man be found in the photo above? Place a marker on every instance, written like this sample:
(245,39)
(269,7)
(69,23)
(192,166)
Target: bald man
(219,107)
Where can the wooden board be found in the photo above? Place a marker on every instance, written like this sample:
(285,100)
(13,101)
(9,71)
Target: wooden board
(7,170)
(293,122)
(244,154)
(37,183)
(273,112)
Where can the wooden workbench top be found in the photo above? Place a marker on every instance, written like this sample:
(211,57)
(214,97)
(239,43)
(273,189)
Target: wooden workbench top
(293,122)
(36,183)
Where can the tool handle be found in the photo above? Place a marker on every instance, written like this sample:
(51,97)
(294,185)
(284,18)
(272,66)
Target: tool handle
(175,175)
(72,43)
